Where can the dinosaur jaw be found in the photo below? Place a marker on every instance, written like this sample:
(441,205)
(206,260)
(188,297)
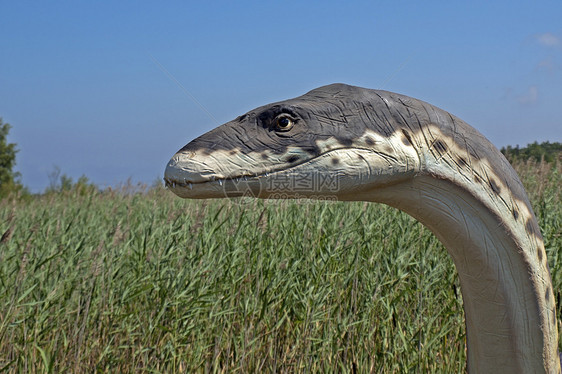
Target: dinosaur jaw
(333,174)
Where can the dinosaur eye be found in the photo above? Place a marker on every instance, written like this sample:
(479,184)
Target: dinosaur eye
(284,123)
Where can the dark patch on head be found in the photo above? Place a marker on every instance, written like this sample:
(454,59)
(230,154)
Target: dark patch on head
(313,150)
(547,294)
(462,161)
(532,228)
(335,160)
(264,156)
(233,152)
(293,158)
(539,253)
(388,149)
(515,213)
(346,142)
(494,186)
(407,139)
(369,141)
(440,146)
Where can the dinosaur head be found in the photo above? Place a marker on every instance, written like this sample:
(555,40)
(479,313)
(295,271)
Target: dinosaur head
(324,143)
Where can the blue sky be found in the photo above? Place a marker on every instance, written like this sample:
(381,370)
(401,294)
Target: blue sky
(103,88)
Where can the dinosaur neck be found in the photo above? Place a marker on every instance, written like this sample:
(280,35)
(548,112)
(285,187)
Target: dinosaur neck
(507,293)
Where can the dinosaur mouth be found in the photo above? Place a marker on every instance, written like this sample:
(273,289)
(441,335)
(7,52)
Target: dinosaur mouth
(245,184)
(173,183)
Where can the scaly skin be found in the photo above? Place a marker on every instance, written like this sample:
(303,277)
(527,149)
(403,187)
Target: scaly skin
(352,143)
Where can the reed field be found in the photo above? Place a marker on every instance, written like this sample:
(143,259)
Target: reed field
(124,281)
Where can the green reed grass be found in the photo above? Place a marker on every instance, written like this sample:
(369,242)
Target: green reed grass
(146,282)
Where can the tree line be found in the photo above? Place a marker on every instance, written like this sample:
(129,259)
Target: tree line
(545,151)
(10,180)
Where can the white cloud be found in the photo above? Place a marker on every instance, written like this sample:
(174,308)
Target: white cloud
(548,39)
(530,97)
(547,64)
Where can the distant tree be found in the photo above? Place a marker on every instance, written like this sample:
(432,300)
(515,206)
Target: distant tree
(63,183)
(9,180)
(84,187)
(546,151)
(53,180)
